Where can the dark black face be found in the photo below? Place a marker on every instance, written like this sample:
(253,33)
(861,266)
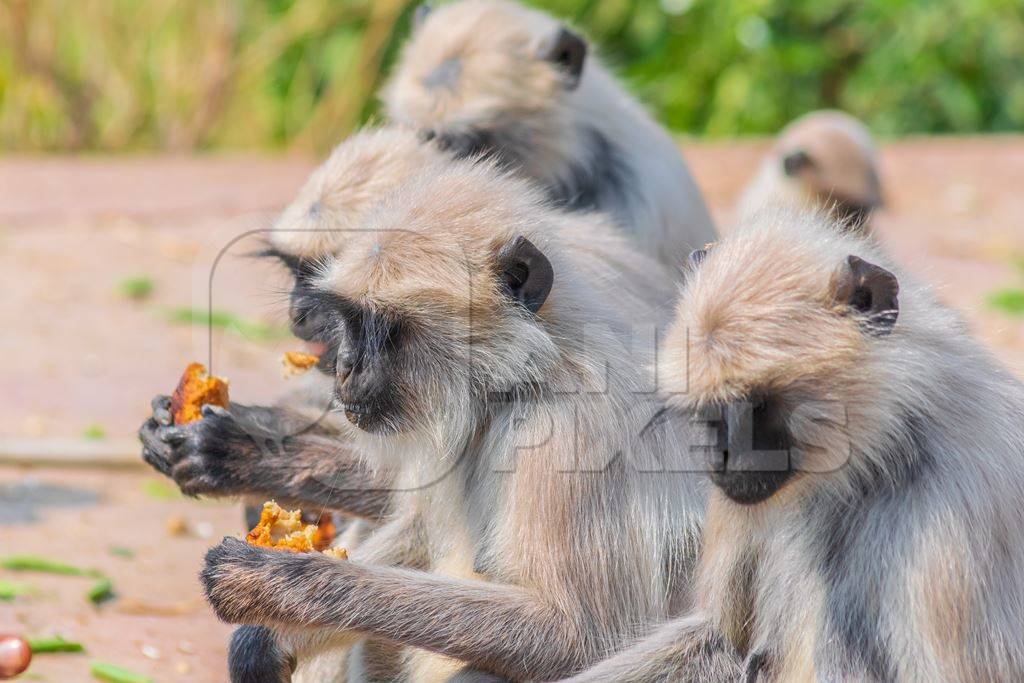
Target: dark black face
(307,321)
(751,460)
(368,344)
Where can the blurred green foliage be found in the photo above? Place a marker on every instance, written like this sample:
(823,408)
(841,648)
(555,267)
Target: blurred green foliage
(245,74)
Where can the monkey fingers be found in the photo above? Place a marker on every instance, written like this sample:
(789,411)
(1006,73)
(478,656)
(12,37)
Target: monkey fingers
(239,581)
(161,405)
(155,451)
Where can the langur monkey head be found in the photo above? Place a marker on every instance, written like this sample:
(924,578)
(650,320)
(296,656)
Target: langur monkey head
(438,301)
(785,343)
(489,76)
(825,159)
(331,203)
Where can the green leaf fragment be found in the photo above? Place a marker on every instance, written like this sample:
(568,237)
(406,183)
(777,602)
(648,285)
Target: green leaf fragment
(138,287)
(101,591)
(116,674)
(158,489)
(94,432)
(229,321)
(1008,301)
(34,563)
(54,644)
(13,589)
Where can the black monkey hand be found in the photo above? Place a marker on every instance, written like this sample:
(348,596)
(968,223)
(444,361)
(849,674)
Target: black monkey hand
(209,456)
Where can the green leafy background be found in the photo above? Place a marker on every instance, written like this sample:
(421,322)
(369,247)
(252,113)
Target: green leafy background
(114,75)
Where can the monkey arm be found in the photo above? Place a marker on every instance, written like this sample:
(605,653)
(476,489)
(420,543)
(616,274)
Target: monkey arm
(500,628)
(686,650)
(260,653)
(264,452)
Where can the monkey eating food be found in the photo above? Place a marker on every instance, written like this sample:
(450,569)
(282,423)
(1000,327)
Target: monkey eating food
(197,388)
(487,351)
(296,363)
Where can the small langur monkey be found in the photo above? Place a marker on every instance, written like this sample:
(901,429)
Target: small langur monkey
(866,521)
(825,160)
(495,77)
(487,346)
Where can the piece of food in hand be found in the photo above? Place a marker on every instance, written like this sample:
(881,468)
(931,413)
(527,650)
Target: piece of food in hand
(15,656)
(280,529)
(196,389)
(297,362)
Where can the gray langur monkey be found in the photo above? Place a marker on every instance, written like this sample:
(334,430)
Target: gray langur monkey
(825,160)
(487,347)
(496,77)
(867,520)
(294,451)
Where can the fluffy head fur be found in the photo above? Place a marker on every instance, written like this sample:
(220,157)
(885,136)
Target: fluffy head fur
(497,80)
(478,76)
(823,160)
(786,330)
(357,174)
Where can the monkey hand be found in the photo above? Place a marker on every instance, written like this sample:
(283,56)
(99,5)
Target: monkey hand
(255,655)
(247,584)
(208,456)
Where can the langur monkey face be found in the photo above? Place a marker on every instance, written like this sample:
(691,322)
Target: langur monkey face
(483,76)
(415,346)
(830,158)
(769,357)
(358,174)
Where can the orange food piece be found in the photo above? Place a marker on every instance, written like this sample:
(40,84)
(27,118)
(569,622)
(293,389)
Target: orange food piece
(337,553)
(196,389)
(297,362)
(280,529)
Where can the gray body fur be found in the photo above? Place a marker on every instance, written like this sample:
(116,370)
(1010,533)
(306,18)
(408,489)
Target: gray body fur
(574,562)
(905,564)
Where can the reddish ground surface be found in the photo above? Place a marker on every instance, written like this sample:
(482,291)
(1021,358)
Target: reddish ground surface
(81,357)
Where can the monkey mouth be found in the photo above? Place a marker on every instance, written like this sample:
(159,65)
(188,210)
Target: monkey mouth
(356,408)
(744,484)
(361,415)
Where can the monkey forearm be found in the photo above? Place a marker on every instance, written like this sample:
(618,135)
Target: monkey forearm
(687,650)
(312,470)
(500,628)
(263,452)
(309,464)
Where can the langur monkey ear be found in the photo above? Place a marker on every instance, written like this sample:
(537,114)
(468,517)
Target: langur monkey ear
(567,51)
(419,15)
(525,273)
(697,257)
(870,291)
(795,162)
